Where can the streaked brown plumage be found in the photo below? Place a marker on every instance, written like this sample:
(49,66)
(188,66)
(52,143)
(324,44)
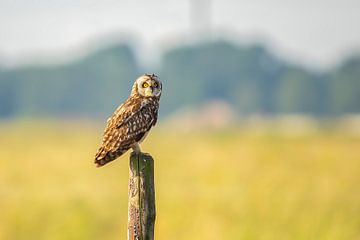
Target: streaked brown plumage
(131,121)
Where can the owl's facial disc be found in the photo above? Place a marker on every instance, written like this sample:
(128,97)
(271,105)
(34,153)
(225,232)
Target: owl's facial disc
(149,86)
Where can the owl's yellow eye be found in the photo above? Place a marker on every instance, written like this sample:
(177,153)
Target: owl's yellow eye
(155,84)
(145,85)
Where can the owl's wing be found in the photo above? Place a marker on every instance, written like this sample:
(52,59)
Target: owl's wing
(155,116)
(127,111)
(125,127)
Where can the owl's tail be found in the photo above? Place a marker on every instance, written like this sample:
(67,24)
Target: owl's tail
(102,157)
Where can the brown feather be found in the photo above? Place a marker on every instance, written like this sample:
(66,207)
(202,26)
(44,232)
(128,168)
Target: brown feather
(127,126)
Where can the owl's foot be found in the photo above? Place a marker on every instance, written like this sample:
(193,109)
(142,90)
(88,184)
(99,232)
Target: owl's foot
(139,153)
(136,148)
(133,153)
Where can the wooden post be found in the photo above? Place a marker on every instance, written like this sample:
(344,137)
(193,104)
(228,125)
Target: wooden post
(141,212)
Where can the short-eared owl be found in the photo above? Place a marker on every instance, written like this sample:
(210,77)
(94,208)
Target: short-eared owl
(131,121)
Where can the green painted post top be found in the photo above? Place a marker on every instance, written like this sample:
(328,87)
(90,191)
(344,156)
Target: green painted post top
(142,212)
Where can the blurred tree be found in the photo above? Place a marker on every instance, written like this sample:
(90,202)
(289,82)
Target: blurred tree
(249,78)
(345,88)
(9,97)
(301,92)
(91,86)
(245,77)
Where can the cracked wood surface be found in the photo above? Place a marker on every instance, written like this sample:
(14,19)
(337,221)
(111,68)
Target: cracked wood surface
(141,209)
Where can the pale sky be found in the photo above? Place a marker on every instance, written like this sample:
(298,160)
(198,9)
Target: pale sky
(313,32)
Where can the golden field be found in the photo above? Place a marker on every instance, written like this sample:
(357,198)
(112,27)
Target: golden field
(229,184)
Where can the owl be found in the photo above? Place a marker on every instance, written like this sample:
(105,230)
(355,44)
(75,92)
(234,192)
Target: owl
(131,121)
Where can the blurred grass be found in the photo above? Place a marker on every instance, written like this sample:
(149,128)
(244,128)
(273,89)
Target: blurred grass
(231,184)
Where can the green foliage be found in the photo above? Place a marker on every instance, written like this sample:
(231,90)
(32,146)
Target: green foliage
(302,92)
(249,78)
(9,94)
(345,88)
(223,71)
(91,86)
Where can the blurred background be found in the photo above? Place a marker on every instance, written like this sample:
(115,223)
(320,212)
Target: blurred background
(259,131)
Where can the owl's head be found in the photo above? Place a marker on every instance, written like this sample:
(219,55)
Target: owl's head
(147,85)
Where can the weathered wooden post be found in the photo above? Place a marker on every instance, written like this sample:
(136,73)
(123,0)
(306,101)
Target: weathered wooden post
(141,212)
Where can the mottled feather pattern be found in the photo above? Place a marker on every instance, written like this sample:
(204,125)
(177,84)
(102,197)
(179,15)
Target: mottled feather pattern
(127,126)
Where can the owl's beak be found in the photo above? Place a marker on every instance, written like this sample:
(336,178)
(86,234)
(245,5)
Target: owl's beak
(149,92)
